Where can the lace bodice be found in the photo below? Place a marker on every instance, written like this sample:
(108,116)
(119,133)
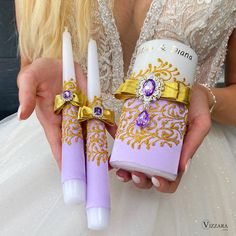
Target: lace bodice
(204,25)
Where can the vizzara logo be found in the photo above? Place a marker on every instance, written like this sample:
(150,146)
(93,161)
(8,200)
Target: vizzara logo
(207,225)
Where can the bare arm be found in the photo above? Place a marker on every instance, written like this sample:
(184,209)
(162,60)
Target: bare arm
(225,109)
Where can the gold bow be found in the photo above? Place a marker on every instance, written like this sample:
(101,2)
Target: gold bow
(175,91)
(78,99)
(88,113)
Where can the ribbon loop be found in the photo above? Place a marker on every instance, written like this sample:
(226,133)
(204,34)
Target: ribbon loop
(68,97)
(95,110)
(175,91)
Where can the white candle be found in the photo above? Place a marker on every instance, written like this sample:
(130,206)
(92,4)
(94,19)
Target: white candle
(67,54)
(98,197)
(73,159)
(93,84)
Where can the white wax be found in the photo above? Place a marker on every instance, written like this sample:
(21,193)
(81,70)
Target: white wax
(93,83)
(74,189)
(67,55)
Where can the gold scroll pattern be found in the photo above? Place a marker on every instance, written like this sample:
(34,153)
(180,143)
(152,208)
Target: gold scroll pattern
(71,128)
(167,124)
(162,69)
(97,149)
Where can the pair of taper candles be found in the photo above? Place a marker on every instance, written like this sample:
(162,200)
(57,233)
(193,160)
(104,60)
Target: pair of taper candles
(84,182)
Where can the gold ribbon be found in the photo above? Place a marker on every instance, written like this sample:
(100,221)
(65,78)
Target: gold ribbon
(175,91)
(87,113)
(78,99)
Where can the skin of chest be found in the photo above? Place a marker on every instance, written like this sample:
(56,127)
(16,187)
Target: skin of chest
(129,16)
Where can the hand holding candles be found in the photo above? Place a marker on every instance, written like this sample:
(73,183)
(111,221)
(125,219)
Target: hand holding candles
(73,161)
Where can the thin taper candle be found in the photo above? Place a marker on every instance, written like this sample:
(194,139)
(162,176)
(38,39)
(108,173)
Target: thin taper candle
(94,88)
(73,160)
(98,197)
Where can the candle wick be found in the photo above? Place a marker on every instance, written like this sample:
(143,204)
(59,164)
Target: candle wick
(66,28)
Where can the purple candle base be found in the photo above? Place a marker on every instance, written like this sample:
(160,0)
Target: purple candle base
(73,161)
(98,194)
(154,149)
(97,166)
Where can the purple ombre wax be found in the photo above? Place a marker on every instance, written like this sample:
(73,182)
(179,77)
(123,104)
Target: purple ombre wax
(98,196)
(73,161)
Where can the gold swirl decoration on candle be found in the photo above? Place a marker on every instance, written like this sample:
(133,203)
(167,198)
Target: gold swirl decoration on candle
(163,69)
(97,117)
(71,129)
(96,142)
(167,125)
(168,116)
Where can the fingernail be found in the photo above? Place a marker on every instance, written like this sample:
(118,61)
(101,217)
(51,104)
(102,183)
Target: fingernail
(122,179)
(136,179)
(156,182)
(187,166)
(19,113)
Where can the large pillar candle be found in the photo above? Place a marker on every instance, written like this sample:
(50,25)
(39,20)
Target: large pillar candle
(153,120)
(98,198)
(73,160)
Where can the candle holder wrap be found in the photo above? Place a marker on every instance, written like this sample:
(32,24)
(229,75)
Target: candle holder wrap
(152,124)
(68,103)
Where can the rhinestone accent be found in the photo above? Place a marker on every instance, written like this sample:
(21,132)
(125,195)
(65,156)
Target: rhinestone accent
(97,111)
(150,89)
(142,119)
(67,95)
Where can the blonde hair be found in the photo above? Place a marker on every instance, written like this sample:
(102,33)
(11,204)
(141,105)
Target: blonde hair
(42,23)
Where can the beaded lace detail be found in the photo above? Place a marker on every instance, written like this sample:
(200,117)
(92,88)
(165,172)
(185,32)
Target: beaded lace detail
(114,40)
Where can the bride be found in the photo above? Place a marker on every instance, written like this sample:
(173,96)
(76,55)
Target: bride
(202,200)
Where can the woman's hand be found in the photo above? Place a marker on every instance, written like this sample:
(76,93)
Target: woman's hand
(38,84)
(199,123)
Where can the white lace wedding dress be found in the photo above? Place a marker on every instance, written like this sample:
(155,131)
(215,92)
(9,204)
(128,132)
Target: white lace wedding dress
(205,203)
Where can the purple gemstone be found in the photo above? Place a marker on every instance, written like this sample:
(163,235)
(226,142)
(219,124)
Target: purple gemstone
(142,119)
(67,95)
(149,87)
(97,111)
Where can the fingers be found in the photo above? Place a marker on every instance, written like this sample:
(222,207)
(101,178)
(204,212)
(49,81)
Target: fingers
(54,138)
(36,80)
(27,93)
(123,175)
(111,130)
(52,130)
(109,167)
(164,185)
(81,79)
(197,130)
(141,180)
